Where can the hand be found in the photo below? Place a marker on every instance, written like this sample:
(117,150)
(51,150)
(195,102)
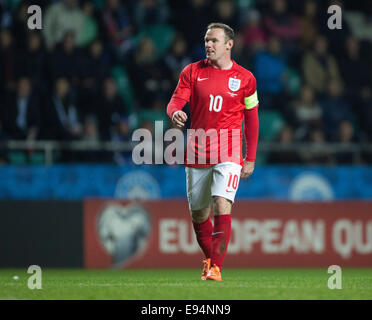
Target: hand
(179,118)
(247,169)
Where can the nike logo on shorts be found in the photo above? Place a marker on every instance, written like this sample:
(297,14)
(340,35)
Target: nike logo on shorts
(229,190)
(201,79)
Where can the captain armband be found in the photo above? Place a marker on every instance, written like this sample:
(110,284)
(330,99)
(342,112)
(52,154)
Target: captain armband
(251,101)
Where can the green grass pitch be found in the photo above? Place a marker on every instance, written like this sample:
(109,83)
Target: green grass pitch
(174,284)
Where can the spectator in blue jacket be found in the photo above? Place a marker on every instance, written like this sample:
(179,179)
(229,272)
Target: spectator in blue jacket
(269,69)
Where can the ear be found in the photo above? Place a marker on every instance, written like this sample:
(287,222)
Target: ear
(230,44)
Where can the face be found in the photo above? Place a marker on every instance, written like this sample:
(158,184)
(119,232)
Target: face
(62,87)
(113,4)
(334,89)
(310,8)
(321,45)
(90,128)
(216,46)
(123,127)
(274,45)
(352,45)
(69,42)
(88,8)
(146,50)
(286,135)
(24,87)
(179,47)
(279,6)
(34,42)
(96,48)
(5,38)
(225,9)
(110,87)
(307,94)
(346,130)
(317,136)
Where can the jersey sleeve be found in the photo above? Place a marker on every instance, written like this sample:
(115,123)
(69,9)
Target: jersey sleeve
(183,89)
(250,94)
(182,93)
(251,129)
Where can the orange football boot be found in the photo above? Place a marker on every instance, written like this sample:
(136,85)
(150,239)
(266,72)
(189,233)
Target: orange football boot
(214,273)
(206,267)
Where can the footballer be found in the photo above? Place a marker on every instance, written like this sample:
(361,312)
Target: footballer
(221,94)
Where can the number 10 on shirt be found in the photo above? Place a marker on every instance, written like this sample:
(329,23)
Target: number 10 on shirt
(216,103)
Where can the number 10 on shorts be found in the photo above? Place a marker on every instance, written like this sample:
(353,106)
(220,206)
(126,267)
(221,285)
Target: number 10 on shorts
(233,181)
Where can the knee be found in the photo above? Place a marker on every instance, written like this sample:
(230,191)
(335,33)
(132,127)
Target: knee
(221,206)
(199,216)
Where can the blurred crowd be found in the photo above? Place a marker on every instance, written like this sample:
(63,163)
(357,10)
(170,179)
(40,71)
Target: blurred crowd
(99,69)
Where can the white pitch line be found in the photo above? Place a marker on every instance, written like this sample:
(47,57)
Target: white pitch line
(174,284)
(171,284)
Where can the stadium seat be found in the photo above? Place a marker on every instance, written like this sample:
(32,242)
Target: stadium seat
(294,81)
(99,4)
(17,157)
(37,158)
(354,119)
(124,87)
(12,4)
(271,122)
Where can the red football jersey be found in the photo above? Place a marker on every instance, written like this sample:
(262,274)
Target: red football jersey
(217,100)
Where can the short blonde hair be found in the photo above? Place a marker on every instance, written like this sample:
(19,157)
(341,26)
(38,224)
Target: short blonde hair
(229,32)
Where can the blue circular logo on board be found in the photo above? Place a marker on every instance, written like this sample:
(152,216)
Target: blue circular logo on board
(310,187)
(137,184)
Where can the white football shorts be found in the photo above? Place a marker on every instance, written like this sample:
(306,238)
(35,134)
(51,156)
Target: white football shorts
(220,180)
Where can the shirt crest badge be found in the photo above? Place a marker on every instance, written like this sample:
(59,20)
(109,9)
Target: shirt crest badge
(234,84)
